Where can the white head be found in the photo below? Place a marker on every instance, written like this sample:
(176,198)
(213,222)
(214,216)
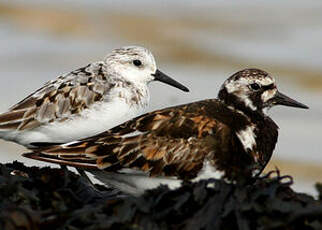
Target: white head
(253,90)
(136,64)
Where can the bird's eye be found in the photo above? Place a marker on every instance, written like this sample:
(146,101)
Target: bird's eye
(255,86)
(137,62)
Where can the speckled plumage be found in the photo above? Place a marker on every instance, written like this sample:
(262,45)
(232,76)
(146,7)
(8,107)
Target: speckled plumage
(60,99)
(83,102)
(221,137)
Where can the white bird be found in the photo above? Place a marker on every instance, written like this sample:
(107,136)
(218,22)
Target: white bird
(86,101)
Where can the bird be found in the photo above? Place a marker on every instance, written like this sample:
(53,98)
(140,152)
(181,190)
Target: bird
(230,137)
(86,101)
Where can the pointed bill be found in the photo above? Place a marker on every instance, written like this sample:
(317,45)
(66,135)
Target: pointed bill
(281,99)
(159,76)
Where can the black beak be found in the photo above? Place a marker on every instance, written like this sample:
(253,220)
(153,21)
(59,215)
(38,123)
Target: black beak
(281,99)
(159,76)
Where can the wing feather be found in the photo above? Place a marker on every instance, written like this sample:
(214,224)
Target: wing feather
(57,100)
(169,142)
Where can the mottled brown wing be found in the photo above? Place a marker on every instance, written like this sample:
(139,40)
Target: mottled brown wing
(169,142)
(59,99)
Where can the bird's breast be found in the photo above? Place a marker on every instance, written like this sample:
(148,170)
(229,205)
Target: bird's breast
(98,118)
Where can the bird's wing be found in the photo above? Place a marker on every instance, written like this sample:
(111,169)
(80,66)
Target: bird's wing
(172,142)
(59,99)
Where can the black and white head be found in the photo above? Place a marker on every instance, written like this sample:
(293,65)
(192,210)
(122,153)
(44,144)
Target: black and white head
(137,65)
(254,90)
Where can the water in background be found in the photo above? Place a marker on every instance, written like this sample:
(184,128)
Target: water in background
(199,45)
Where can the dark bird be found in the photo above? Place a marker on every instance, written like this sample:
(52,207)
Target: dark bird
(230,137)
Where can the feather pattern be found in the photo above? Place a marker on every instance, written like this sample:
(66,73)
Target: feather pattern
(230,137)
(62,98)
(86,101)
(175,142)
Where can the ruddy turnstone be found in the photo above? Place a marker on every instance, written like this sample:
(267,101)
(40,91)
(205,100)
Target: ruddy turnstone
(230,137)
(86,101)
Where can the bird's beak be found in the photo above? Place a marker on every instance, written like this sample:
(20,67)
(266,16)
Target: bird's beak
(281,99)
(159,76)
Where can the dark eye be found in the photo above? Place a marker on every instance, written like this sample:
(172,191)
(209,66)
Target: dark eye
(255,86)
(137,62)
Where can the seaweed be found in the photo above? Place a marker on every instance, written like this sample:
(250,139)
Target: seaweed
(46,198)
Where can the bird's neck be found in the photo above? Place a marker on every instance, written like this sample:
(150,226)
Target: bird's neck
(134,93)
(252,112)
(264,129)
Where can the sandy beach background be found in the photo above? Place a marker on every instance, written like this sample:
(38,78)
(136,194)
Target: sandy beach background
(198,44)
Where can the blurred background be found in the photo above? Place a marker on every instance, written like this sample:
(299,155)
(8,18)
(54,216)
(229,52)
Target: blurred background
(200,43)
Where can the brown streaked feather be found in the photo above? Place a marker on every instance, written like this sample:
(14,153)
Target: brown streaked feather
(59,99)
(29,123)
(28,102)
(13,125)
(9,116)
(232,135)
(79,164)
(173,142)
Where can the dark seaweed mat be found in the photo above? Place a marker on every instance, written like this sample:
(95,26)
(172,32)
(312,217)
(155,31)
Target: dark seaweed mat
(44,198)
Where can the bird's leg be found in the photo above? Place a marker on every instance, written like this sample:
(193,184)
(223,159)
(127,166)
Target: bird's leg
(83,174)
(80,171)
(66,172)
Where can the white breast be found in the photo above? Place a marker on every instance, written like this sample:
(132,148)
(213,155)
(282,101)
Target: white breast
(247,137)
(98,118)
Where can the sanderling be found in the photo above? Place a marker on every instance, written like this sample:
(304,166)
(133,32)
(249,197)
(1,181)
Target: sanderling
(230,137)
(86,101)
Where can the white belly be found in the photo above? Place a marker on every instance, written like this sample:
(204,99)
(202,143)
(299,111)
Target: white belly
(99,118)
(136,182)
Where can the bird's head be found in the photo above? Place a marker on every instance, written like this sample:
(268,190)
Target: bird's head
(254,90)
(137,65)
